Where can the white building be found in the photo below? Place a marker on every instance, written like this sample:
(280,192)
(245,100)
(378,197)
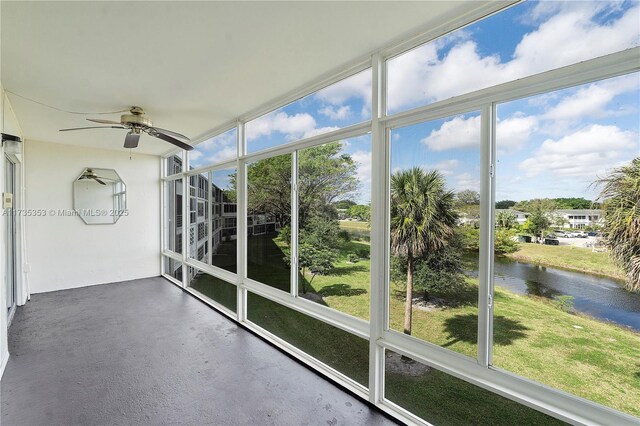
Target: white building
(579,218)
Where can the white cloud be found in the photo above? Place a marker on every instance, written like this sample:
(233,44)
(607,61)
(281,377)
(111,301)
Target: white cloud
(278,121)
(214,150)
(297,126)
(225,153)
(567,37)
(458,132)
(195,155)
(363,164)
(356,86)
(445,167)
(512,133)
(582,153)
(467,181)
(590,101)
(336,113)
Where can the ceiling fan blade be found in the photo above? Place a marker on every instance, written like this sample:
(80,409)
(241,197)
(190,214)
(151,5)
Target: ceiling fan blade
(95,120)
(169,132)
(92,127)
(131,140)
(172,140)
(99,181)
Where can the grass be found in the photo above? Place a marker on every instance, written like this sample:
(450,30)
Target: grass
(532,338)
(568,257)
(354,224)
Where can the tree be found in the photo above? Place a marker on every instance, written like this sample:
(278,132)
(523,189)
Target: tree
(437,272)
(423,219)
(620,197)
(468,197)
(575,203)
(317,248)
(360,211)
(506,220)
(324,174)
(540,215)
(269,187)
(344,204)
(505,204)
(319,260)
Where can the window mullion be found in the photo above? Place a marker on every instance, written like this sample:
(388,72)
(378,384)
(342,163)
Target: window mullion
(378,277)
(487,207)
(241,224)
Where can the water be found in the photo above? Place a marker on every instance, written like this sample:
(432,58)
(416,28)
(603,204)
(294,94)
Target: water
(599,297)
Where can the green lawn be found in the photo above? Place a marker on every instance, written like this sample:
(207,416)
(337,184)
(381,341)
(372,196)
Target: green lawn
(354,224)
(534,339)
(569,257)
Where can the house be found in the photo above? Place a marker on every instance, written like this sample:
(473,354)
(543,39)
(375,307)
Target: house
(579,218)
(521,217)
(187,309)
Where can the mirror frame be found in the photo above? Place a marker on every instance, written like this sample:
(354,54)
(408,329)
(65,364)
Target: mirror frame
(112,214)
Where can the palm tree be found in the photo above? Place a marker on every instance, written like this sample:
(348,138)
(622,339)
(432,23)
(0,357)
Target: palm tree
(620,197)
(422,219)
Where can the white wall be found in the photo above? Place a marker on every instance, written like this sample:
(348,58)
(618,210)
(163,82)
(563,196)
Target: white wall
(64,252)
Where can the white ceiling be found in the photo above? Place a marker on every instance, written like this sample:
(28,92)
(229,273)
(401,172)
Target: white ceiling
(191,65)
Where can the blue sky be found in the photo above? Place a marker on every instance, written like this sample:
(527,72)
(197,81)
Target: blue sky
(548,146)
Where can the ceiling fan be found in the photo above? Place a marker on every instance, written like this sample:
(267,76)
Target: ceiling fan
(137,123)
(90,174)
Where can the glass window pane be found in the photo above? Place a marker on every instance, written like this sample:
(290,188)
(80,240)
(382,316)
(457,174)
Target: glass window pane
(173,215)
(526,39)
(214,150)
(442,399)
(334,107)
(198,213)
(214,288)
(173,164)
(173,268)
(435,219)
(338,349)
(334,193)
(268,211)
(562,314)
(224,218)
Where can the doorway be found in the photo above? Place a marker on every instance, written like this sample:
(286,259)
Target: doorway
(10,240)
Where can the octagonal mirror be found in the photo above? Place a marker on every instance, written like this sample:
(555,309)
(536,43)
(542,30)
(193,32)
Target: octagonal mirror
(99,196)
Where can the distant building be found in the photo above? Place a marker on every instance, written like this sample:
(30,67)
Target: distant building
(579,218)
(223,221)
(521,217)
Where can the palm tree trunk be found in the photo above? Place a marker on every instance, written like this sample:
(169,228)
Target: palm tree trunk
(408,304)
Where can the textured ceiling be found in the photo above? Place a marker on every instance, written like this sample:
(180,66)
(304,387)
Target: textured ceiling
(192,65)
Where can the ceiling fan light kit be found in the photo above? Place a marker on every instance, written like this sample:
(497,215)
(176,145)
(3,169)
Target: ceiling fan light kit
(137,123)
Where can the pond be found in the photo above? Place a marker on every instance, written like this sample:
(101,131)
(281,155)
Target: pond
(600,297)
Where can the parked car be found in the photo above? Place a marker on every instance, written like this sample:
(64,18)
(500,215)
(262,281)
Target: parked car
(579,234)
(551,241)
(592,234)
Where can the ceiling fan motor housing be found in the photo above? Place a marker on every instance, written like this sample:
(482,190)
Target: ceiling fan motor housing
(136,120)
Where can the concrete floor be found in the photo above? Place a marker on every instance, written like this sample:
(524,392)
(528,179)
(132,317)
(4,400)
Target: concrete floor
(144,352)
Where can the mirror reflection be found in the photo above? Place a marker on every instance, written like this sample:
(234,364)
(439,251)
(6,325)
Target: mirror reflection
(99,196)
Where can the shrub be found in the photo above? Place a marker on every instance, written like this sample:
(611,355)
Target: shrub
(344,235)
(505,242)
(352,258)
(363,253)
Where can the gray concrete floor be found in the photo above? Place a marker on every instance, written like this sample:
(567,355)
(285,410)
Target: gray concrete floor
(144,352)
